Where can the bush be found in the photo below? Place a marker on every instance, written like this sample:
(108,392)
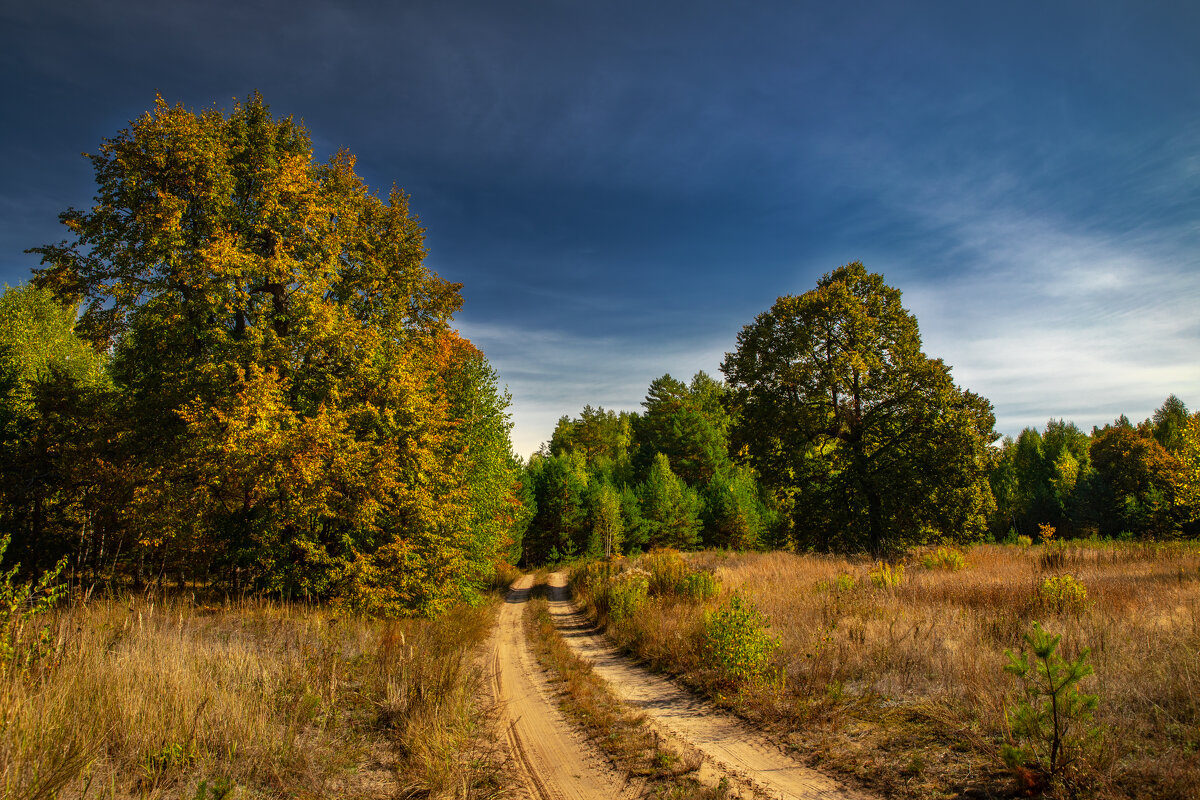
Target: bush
(626,593)
(736,644)
(667,571)
(944,558)
(886,576)
(700,586)
(1052,719)
(1024,542)
(21,602)
(1062,594)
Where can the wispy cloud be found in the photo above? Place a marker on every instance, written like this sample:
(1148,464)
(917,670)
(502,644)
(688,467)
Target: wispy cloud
(552,372)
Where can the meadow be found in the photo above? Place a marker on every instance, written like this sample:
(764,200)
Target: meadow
(897,677)
(143,698)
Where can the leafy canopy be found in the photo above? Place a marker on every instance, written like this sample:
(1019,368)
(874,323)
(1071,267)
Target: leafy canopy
(852,425)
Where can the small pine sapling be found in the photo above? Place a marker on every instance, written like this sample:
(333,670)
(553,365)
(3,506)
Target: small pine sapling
(1052,719)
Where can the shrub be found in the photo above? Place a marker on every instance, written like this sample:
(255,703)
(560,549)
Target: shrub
(1062,594)
(626,593)
(1046,533)
(700,586)
(1052,719)
(736,644)
(21,602)
(1024,542)
(886,576)
(667,571)
(944,558)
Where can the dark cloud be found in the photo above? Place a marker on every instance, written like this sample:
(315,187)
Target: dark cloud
(616,178)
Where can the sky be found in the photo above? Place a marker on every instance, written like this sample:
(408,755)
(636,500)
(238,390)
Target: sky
(621,186)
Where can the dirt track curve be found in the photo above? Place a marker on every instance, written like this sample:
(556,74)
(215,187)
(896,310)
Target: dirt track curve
(555,761)
(732,747)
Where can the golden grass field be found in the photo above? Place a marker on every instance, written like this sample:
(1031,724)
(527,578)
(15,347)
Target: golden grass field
(904,686)
(137,699)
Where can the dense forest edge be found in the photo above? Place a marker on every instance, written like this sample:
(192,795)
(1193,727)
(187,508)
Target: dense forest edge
(238,375)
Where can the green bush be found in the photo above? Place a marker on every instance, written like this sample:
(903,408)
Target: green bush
(944,558)
(1024,542)
(886,576)
(736,644)
(1062,594)
(1051,721)
(626,593)
(700,586)
(20,603)
(667,571)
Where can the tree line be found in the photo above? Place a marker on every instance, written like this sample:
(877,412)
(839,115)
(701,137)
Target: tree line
(237,371)
(834,431)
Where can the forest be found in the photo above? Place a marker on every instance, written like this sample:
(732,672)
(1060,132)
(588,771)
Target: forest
(237,373)
(833,432)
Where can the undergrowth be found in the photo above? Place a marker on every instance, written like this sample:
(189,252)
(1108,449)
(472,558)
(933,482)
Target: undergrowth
(147,699)
(896,677)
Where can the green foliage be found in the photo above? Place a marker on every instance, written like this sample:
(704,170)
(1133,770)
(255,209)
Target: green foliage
(294,412)
(1051,722)
(1062,594)
(54,395)
(841,411)
(699,586)
(20,603)
(735,643)
(604,507)
(1140,487)
(560,523)
(944,558)
(626,593)
(687,424)
(886,576)
(1024,542)
(670,508)
(735,516)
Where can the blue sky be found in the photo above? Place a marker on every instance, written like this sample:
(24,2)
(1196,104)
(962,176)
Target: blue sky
(622,185)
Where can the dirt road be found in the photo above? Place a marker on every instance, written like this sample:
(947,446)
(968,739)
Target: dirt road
(556,762)
(734,748)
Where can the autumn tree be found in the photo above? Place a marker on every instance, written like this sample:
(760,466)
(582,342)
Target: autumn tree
(1139,484)
(304,417)
(862,435)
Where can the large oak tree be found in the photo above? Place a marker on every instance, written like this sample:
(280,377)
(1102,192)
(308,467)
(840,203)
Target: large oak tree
(865,438)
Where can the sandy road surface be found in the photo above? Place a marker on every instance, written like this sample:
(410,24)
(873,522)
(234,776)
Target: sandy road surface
(733,747)
(555,761)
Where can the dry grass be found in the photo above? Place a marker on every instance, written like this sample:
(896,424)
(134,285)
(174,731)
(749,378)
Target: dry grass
(621,734)
(904,687)
(258,699)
